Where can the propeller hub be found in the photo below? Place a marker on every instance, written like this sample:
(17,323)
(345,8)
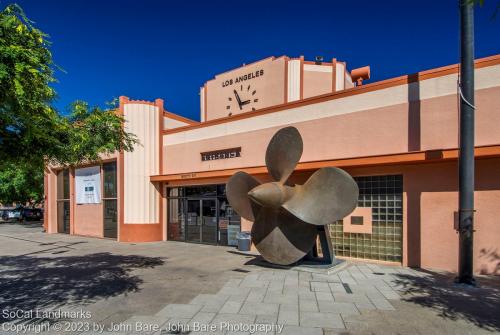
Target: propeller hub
(270,194)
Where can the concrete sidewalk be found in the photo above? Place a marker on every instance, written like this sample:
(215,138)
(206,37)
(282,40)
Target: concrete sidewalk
(172,285)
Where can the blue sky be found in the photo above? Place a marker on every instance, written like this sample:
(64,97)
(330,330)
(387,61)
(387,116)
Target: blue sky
(167,49)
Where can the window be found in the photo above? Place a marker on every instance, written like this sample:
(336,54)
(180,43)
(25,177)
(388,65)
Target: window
(63,203)
(384,195)
(110,200)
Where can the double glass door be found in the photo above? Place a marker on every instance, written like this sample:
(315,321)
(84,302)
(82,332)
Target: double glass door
(201,221)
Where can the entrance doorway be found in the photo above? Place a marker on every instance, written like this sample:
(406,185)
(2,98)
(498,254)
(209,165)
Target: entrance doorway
(201,214)
(201,221)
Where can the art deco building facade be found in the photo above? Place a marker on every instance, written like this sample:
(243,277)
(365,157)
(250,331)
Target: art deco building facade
(397,137)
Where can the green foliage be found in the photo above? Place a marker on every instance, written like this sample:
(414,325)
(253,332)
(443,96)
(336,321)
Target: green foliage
(88,133)
(21,183)
(32,132)
(26,72)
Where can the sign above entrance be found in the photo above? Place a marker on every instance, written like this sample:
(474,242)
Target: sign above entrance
(221,154)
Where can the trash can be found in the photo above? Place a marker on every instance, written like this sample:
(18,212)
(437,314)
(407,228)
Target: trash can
(244,241)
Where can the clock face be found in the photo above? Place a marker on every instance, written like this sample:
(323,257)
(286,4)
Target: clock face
(242,96)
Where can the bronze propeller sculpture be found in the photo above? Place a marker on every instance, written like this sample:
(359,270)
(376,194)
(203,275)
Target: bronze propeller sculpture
(286,217)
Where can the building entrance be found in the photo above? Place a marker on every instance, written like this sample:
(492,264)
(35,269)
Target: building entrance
(201,221)
(201,214)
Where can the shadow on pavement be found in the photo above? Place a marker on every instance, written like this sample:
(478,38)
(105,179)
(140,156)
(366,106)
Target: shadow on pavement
(29,283)
(479,305)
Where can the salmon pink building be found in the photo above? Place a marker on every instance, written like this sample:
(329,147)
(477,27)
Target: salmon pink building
(398,138)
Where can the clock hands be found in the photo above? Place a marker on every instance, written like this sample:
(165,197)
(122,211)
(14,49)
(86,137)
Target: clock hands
(238,98)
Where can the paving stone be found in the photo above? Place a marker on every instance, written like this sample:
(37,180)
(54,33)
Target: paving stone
(308,305)
(210,302)
(237,333)
(345,297)
(251,276)
(344,308)
(256,294)
(279,298)
(325,296)
(289,307)
(259,308)
(266,319)
(307,295)
(266,275)
(233,319)
(295,330)
(305,276)
(364,306)
(179,311)
(337,288)
(390,294)
(355,273)
(297,290)
(238,297)
(320,319)
(382,304)
(176,326)
(233,282)
(202,318)
(145,324)
(320,286)
(231,307)
(254,282)
(276,285)
(319,277)
(346,278)
(230,290)
(291,282)
(288,317)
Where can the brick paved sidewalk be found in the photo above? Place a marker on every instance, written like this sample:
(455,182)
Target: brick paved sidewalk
(300,302)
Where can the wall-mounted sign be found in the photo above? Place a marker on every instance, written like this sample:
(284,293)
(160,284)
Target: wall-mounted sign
(242,78)
(88,185)
(221,154)
(250,87)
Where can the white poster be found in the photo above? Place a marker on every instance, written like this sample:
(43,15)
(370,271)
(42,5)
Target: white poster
(88,185)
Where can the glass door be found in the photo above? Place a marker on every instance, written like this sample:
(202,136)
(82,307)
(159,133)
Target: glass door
(209,221)
(63,202)
(110,201)
(193,227)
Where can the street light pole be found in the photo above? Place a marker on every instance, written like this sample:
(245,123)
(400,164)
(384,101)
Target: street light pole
(466,157)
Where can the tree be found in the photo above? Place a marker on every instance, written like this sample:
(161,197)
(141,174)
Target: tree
(22,183)
(32,132)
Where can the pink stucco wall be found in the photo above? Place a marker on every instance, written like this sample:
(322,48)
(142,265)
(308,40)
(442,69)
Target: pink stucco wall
(88,220)
(316,83)
(430,201)
(416,126)
(270,88)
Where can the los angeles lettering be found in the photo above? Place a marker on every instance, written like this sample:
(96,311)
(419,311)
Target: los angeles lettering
(251,75)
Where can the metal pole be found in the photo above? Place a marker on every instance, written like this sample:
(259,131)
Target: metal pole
(466,158)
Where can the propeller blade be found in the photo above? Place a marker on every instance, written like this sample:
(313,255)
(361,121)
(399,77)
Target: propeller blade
(280,237)
(330,194)
(237,189)
(283,153)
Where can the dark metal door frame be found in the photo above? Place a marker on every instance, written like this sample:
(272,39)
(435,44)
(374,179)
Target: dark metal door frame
(200,218)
